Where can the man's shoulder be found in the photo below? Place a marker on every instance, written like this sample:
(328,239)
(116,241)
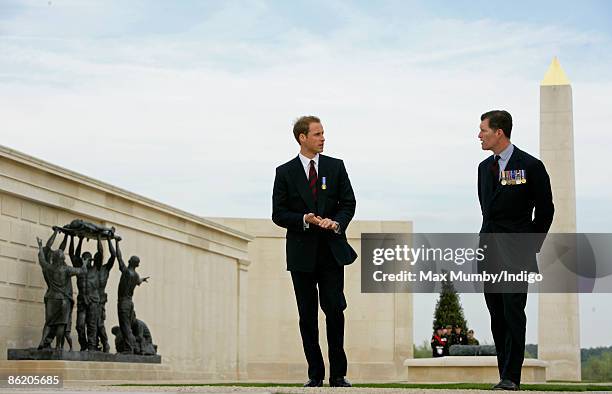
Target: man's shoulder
(485,161)
(331,162)
(330,159)
(327,159)
(288,164)
(526,157)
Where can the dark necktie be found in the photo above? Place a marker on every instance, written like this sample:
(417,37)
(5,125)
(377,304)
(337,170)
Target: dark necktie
(495,171)
(312,180)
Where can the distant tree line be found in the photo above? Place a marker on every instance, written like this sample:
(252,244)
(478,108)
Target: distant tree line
(597,364)
(585,354)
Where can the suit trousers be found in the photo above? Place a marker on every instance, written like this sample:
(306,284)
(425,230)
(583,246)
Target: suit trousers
(326,284)
(508,323)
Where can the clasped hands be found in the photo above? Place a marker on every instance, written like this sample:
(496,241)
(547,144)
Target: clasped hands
(325,223)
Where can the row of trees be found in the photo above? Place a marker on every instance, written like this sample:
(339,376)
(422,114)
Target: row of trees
(598,367)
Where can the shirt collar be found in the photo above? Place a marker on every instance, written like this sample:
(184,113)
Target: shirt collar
(306,161)
(506,153)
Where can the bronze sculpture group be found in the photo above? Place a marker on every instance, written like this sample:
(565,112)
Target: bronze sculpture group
(132,336)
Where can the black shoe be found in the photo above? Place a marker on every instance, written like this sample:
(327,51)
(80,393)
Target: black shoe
(314,383)
(339,382)
(506,384)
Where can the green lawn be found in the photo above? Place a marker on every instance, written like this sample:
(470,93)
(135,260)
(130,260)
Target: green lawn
(449,386)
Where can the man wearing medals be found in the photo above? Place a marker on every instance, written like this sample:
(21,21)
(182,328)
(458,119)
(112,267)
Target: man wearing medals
(515,197)
(313,199)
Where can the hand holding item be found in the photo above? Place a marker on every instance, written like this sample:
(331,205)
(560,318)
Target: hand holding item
(328,224)
(310,218)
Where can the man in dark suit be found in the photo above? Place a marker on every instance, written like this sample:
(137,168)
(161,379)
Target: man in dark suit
(313,199)
(515,197)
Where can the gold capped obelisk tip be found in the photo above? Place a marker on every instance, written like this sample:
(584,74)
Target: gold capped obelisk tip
(555,75)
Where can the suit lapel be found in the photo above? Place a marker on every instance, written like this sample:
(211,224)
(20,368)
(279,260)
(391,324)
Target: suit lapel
(301,182)
(321,194)
(487,184)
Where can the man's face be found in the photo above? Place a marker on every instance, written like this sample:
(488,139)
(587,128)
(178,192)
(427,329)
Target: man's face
(314,140)
(470,334)
(489,138)
(458,330)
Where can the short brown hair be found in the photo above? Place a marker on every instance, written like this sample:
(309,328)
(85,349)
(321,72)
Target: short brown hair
(302,124)
(499,119)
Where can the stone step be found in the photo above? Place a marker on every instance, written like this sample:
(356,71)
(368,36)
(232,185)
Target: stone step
(468,369)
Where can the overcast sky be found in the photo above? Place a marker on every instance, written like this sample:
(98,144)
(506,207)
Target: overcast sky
(191,103)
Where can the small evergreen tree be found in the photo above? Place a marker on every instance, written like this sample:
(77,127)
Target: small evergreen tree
(448,308)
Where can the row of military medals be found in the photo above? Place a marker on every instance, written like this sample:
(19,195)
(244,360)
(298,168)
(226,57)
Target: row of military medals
(513,177)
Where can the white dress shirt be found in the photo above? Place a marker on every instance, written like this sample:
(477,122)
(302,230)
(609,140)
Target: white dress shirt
(306,163)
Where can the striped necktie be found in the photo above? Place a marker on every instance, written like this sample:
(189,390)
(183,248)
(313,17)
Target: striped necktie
(312,180)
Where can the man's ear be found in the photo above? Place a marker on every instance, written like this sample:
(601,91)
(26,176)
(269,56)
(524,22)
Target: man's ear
(302,138)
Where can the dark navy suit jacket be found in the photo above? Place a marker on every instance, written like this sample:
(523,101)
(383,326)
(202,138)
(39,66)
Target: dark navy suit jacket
(292,199)
(523,208)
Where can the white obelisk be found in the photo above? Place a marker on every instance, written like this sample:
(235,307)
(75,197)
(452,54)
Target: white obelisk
(558,317)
